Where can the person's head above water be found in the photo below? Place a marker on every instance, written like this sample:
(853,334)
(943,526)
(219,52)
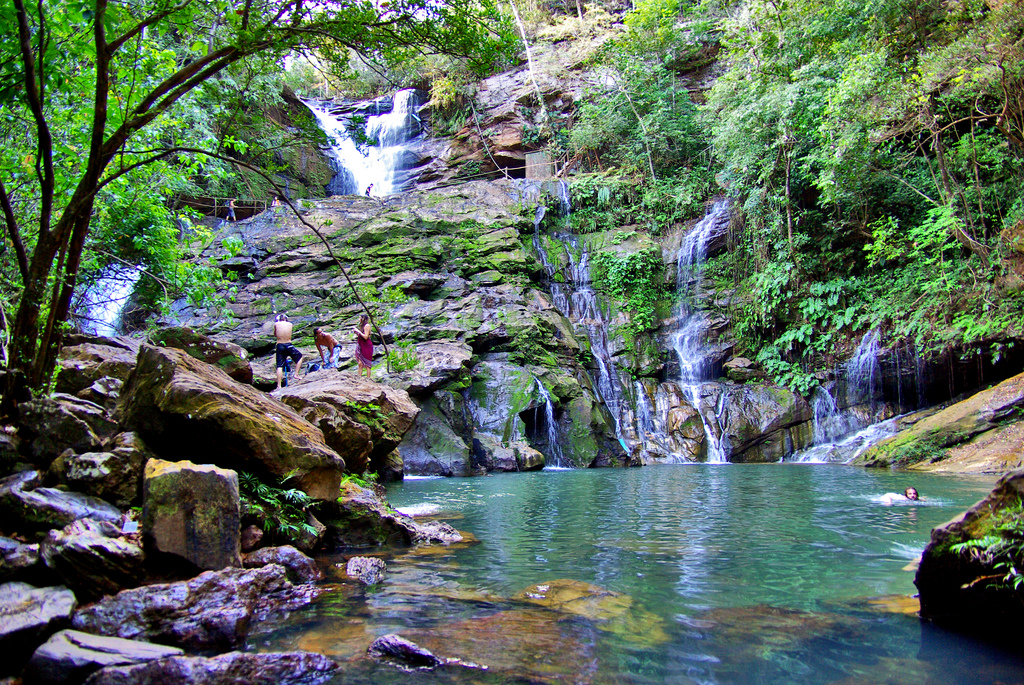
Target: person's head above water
(911,493)
(281,317)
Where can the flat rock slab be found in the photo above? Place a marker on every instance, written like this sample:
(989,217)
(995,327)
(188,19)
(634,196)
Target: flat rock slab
(27,614)
(70,656)
(212,611)
(288,668)
(46,508)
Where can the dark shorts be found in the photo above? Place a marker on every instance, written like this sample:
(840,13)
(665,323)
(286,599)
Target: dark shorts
(285,350)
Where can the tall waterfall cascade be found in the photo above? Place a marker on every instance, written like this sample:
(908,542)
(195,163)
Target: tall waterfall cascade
(386,166)
(98,308)
(573,295)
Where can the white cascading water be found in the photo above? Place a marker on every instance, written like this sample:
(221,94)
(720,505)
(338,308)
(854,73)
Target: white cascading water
(101,304)
(380,165)
(696,379)
(842,434)
(552,427)
(577,301)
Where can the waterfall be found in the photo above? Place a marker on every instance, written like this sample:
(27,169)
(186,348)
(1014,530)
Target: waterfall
(100,305)
(696,368)
(577,301)
(863,372)
(385,164)
(552,427)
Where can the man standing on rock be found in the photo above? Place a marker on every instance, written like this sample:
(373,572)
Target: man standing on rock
(285,349)
(326,342)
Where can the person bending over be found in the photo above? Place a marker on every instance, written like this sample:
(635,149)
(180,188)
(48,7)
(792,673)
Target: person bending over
(325,342)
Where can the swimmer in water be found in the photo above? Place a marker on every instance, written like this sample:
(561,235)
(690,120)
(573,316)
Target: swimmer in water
(909,495)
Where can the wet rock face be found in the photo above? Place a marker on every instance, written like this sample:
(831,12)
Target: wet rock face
(19,561)
(360,419)
(289,668)
(967,590)
(360,518)
(27,615)
(211,612)
(93,559)
(181,406)
(192,511)
(70,656)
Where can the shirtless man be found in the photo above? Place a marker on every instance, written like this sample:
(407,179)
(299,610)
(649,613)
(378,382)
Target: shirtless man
(285,349)
(326,342)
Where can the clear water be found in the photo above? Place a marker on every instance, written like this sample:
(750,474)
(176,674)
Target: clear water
(785,573)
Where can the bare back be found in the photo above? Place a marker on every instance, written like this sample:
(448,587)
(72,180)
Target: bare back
(283,331)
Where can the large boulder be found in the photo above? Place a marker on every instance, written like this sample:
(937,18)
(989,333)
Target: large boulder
(93,559)
(438,364)
(63,422)
(211,612)
(114,475)
(71,656)
(89,359)
(301,568)
(766,422)
(24,504)
(228,357)
(360,419)
(970,589)
(927,439)
(181,406)
(27,616)
(289,668)
(192,511)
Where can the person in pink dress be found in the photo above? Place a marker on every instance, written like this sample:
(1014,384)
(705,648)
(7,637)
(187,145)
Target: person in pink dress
(364,346)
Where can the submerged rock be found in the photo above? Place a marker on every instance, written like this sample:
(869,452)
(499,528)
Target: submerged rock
(400,652)
(211,612)
(367,570)
(180,405)
(70,656)
(288,668)
(192,511)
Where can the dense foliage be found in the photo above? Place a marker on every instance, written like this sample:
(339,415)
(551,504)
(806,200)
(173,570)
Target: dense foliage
(872,150)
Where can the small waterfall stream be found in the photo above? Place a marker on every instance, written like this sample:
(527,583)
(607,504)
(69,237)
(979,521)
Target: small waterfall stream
(552,426)
(385,165)
(696,369)
(99,307)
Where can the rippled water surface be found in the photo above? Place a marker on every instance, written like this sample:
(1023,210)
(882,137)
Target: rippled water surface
(784,573)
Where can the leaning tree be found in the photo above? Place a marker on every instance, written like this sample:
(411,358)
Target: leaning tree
(83,85)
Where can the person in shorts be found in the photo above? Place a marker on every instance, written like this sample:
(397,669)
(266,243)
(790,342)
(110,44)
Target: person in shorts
(325,342)
(285,349)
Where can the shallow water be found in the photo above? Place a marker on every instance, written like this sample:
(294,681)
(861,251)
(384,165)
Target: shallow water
(787,573)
